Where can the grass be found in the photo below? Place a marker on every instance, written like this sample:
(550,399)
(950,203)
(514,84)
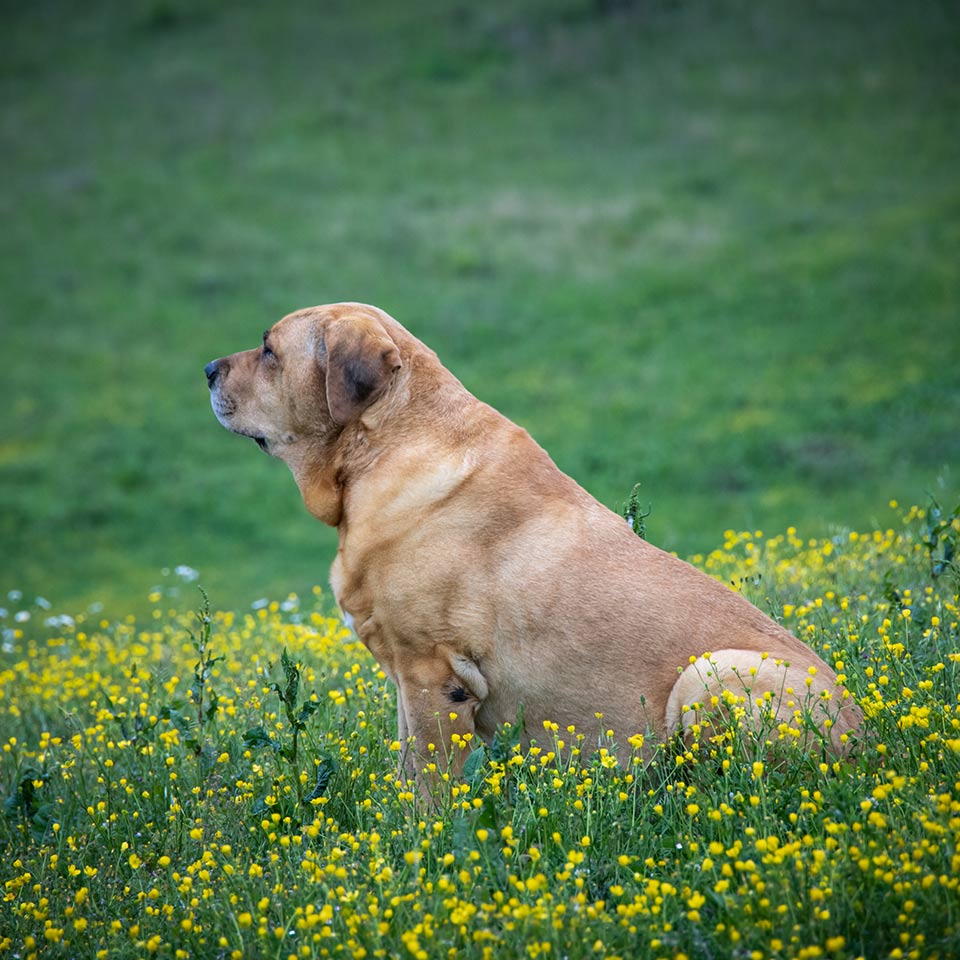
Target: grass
(223,785)
(711,247)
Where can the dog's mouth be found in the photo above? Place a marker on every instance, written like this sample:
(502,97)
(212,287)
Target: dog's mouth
(225,408)
(258,439)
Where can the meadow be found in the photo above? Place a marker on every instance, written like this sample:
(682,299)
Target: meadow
(711,247)
(214,784)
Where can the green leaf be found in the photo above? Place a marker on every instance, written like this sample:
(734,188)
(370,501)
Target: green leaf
(635,515)
(489,814)
(211,710)
(309,708)
(257,737)
(473,767)
(23,800)
(291,670)
(173,714)
(463,835)
(326,768)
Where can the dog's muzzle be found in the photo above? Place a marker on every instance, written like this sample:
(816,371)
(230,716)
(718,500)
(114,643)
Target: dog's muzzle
(216,372)
(212,370)
(223,406)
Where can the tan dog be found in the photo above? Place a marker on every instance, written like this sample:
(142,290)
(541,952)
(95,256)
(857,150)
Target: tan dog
(480,576)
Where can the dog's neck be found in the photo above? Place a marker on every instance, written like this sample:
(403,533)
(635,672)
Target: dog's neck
(324,472)
(318,473)
(327,473)
(322,492)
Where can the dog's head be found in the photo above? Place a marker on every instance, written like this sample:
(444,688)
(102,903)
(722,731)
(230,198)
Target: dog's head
(316,371)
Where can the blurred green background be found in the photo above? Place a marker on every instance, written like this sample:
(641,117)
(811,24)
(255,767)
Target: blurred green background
(711,246)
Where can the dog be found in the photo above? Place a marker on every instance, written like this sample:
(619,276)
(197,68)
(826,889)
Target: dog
(482,578)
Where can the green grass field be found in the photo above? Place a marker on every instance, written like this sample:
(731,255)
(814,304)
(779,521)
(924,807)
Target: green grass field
(708,246)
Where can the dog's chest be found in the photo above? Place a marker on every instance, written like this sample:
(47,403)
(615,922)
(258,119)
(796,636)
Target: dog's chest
(398,611)
(361,613)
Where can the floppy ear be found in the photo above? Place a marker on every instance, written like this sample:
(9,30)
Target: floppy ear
(361,360)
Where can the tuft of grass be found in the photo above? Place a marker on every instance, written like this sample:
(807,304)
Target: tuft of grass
(634,513)
(296,838)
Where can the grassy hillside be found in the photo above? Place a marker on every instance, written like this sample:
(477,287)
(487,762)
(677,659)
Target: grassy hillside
(712,247)
(174,788)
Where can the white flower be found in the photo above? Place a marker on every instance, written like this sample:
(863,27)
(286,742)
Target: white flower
(186,573)
(63,620)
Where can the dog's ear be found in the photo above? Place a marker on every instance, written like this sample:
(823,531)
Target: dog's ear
(361,359)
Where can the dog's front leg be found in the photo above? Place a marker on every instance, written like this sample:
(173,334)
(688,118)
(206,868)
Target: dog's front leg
(437,698)
(403,728)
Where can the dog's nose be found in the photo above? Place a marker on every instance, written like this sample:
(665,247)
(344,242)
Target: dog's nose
(212,369)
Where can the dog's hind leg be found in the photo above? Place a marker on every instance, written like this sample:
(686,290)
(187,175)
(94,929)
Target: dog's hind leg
(773,697)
